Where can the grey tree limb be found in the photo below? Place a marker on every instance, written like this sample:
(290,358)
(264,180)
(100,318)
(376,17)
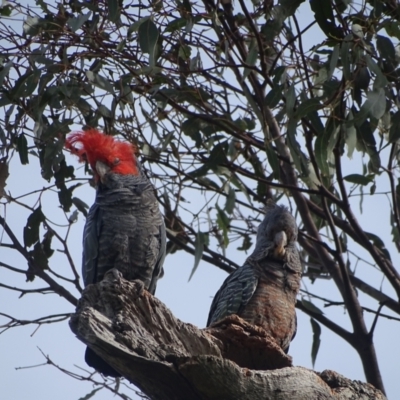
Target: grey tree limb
(171,360)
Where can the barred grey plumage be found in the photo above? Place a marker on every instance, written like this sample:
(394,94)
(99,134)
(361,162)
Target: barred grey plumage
(263,291)
(124,228)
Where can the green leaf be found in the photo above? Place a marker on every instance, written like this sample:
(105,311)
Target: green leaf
(208,183)
(380,79)
(76,23)
(191,127)
(184,52)
(148,37)
(230,201)
(90,395)
(341,5)
(4,72)
(331,87)
(239,184)
(358,179)
(114,10)
(218,154)
(273,160)
(31,230)
(394,132)
(39,256)
(246,243)
(307,106)
(311,307)
(121,45)
(362,78)
(299,159)
(366,143)
(351,139)
(42,5)
(290,101)
(176,25)
(251,58)
(224,224)
(104,111)
(345,56)
(32,25)
(80,205)
(73,217)
(316,122)
(274,96)
(84,106)
(376,103)
(316,328)
(201,239)
(250,123)
(323,12)
(290,6)
(100,81)
(22,147)
(25,85)
(5,11)
(136,25)
(51,158)
(65,198)
(3,176)
(252,102)
(392,28)
(279,73)
(200,172)
(46,244)
(385,47)
(333,62)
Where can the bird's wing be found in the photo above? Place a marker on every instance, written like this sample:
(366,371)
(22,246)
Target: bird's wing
(234,293)
(158,270)
(91,234)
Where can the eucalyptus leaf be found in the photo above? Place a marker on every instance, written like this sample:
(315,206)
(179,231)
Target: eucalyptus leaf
(307,107)
(316,328)
(22,147)
(31,230)
(230,201)
(201,239)
(76,23)
(358,179)
(114,10)
(148,37)
(385,47)
(100,81)
(311,307)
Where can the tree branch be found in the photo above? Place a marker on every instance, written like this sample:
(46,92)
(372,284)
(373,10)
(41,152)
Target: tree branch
(37,270)
(168,359)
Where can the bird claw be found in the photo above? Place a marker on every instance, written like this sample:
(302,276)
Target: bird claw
(139,286)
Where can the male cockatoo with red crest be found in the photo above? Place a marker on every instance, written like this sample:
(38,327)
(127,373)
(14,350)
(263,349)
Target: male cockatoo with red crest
(124,228)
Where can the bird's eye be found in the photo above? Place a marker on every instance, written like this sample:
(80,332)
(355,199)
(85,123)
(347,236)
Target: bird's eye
(116,161)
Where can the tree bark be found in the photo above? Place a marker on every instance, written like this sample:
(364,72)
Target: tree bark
(171,360)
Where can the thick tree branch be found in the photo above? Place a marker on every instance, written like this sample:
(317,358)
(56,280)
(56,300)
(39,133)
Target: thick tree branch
(168,359)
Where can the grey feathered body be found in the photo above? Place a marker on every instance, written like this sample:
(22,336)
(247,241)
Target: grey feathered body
(124,229)
(263,291)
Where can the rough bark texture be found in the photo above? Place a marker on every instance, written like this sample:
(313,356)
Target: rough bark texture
(168,359)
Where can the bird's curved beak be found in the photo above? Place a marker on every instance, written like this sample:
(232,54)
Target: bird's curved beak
(280,241)
(102,169)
